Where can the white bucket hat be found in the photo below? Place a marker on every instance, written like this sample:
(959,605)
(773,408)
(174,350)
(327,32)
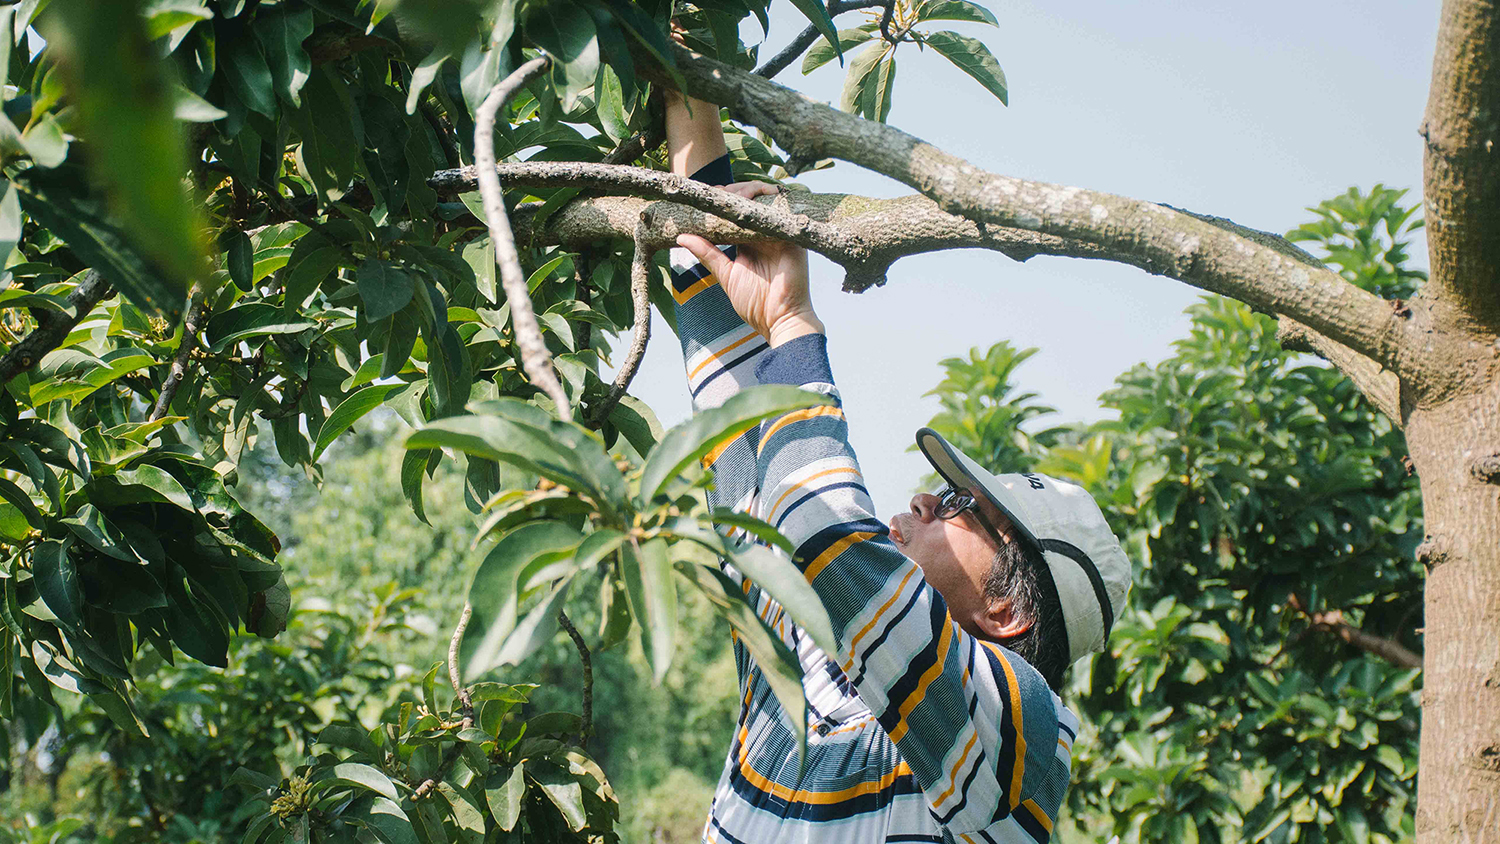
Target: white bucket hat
(1060,519)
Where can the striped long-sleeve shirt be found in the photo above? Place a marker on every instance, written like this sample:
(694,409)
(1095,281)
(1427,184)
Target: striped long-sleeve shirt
(918,731)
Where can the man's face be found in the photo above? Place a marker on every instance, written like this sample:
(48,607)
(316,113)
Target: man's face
(955,556)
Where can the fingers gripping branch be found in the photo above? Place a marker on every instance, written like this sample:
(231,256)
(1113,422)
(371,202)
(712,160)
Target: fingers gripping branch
(1144,234)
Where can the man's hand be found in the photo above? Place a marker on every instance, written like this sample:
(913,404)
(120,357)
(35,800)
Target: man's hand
(766,283)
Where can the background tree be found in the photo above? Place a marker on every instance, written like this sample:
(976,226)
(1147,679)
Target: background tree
(325,153)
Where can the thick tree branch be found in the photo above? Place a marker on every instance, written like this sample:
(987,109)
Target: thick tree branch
(640,299)
(1461,167)
(1380,385)
(192,323)
(792,51)
(534,356)
(863,235)
(53,328)
(1148,235)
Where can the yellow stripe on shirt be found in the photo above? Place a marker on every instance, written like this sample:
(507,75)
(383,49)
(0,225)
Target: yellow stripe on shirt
(799,415)
(694,289)
(927,677)
(834,550)
(1015,718)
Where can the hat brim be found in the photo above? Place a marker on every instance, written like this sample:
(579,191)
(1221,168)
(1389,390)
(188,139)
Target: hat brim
(960,471)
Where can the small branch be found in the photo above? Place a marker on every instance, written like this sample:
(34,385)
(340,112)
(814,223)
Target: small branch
(640,299)
(192,323)
(885,22)
(454,675)
(582,277)
(1380,385)
(534,356)
(1332,621)
(636,145)
(588,677)
(52,328)
(808,36)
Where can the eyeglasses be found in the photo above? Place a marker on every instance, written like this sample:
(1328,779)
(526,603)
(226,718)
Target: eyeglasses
(952,501)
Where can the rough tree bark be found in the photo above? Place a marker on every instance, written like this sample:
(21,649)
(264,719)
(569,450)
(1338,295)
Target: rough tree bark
(1432,365)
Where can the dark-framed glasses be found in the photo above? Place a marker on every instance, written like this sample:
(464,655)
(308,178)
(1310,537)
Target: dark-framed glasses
(952,501)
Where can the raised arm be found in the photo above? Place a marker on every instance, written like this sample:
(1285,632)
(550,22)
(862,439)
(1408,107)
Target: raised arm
(982,732)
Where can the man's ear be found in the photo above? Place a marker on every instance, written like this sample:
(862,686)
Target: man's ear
(1000,621)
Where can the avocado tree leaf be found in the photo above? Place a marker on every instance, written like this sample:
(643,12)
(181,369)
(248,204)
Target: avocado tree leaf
(383,287)
(693,439)
(972,57)
(351,410)
(955,10)
(652,597)
(495,591)
(822,52)
(816,12)
(281,33)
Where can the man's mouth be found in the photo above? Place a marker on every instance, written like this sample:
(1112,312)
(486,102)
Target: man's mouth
(896,532)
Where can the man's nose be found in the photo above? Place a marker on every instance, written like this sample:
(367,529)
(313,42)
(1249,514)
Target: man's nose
(923,506)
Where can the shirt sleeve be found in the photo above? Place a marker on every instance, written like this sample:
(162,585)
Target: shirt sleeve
(977,724)
(720,353)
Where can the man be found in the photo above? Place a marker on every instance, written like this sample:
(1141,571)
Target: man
(938,719)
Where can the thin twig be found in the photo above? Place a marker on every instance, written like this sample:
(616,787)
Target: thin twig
(588,678)
(640,298)
(534,356)
(806,37)
(636,145)
(583,267)
(454,675)
(885,22)
(53,328)
(192,323)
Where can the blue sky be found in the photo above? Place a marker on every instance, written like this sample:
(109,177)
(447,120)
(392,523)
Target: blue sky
(1251,111)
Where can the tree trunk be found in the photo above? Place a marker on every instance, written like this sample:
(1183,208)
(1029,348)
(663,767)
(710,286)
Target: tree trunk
(1459,790)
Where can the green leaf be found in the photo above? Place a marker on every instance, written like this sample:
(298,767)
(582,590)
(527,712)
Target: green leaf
(635,421)
(653,600)
(239,258)
(10,222)
(253,319)
(351,410)
(363,776)
(44,142)
(495,590)
(243,63)
(690,441)
(281,34)
(383,287)
(972,57)
(775,660)
(59,200)
(413,464)
(564,792)
(609,104)
(305,270)
(331,140)
(383,818)
(20,297)
(861,78)
(164,16)
(81,383)
(143,484)
(822,52)
(561,452)
(57,581)
(503,791)
(191,108)
(785,582)
(817,13)
(880,93)
(422,76)
(955,10)
(570,38)
(537,628)
(21,501)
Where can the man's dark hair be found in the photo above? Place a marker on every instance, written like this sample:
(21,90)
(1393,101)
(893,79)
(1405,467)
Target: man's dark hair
(1017,573)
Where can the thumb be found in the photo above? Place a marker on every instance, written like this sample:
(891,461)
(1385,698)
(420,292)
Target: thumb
(707,254)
